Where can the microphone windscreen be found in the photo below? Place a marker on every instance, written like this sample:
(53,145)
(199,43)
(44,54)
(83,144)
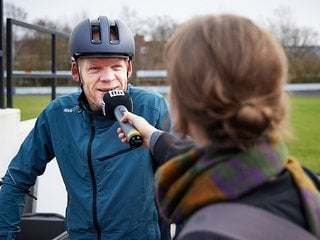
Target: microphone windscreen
(114,98)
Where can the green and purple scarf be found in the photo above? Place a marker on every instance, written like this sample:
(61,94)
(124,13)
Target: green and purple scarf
(201,177)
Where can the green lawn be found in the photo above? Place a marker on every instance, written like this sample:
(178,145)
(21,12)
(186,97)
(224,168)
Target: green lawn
(305,117)
(30,106)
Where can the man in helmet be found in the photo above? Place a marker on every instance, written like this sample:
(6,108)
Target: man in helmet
(110,190)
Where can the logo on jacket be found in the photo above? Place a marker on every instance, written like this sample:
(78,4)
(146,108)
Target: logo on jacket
(69,110)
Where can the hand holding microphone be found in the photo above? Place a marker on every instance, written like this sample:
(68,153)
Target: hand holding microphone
(114,104)
(144,128)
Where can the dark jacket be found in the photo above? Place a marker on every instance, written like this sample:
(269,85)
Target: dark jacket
(280,197)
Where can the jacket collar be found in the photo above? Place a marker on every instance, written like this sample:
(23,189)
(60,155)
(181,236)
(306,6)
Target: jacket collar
(83,102)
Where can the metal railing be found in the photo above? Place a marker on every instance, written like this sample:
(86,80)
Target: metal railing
(10,74)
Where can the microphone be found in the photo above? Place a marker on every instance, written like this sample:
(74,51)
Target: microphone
(114,104)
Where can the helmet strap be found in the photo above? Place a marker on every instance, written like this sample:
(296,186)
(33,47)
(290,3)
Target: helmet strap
(79,75)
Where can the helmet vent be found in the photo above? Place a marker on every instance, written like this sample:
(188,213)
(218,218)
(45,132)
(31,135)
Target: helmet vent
(95,32)
(114,34)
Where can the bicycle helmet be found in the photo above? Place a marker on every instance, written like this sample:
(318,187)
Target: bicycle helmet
(101,37)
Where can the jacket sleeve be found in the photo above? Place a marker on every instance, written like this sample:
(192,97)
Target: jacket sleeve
(30,162)
(165,146)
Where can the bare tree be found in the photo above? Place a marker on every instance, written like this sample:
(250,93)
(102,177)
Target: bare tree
(133,20)
(160,30)
(12,11)
(300,44)
(151,34)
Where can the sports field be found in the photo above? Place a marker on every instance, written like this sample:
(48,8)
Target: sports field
(305,116)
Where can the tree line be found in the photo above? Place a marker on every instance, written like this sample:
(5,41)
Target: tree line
(31,49)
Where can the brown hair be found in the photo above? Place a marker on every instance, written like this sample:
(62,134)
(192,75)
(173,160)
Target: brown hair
(227,76)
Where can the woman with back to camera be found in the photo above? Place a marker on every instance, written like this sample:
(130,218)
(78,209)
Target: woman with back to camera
(227,78)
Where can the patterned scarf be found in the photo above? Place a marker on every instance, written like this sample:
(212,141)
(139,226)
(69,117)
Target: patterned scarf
(202,176)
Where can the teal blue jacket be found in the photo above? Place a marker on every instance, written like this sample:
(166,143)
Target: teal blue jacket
(108,198)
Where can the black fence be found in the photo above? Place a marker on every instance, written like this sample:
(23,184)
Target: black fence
(11,74)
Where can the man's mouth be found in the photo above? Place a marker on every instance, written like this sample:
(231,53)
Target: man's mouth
(104,90)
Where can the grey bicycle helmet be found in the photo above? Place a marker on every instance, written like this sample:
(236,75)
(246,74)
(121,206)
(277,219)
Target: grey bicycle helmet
(101,37)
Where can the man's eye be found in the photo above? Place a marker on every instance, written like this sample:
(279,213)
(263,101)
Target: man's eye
(117,67)
(93,69)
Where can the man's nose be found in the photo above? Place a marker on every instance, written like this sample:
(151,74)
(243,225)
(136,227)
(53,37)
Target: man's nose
(107,75)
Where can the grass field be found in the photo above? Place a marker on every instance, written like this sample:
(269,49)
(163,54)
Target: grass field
(30,106)
(305,116)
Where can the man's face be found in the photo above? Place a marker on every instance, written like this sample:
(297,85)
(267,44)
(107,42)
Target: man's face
(99,75)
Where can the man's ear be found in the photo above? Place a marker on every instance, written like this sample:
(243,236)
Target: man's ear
(75,71)
(130,68)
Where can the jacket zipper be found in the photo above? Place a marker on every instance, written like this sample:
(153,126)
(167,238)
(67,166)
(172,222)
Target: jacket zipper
(93,178)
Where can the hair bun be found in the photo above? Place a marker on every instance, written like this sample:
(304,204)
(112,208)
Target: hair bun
(249,122)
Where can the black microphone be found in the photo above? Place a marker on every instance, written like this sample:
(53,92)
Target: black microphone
(114,104)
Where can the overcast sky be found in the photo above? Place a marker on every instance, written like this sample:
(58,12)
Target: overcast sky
(304,12)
